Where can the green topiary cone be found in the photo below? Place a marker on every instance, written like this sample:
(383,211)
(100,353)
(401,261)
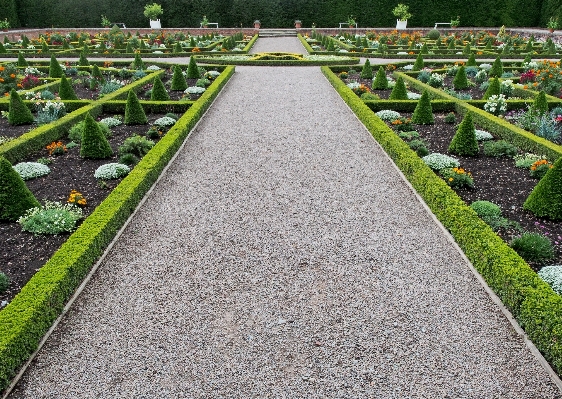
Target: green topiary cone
(66,92)
(380,82)
(423,114)
(399,91)
(15,197)
(464,142)
(159,92)
(526,60)
(467,50)
(65,45)
(2,49)
(18,113)
(546,198)
(137,63)
(94,144)
(55,70)
(96,73)
(418,65)
(460,82)
(45,47)
(192,70)
(83,61)
(540,104)
(22,61)
(129,49)
(493,89)
(192,42)
(424,49)
(471,60)
(178,48)
(178,80)
(497,69)
(134,114)
(367,71)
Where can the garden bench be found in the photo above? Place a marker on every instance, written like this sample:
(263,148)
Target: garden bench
(216,24)
(348,25)
(441,23)
(120,25)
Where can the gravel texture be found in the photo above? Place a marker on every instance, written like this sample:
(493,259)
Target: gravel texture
(283,256)
(274,44)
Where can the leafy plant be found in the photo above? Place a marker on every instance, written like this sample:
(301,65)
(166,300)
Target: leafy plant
(367,70)
(136,145)
(401,11)
(31,170)
(94,143)
(457,177)
(56,148)
(399,91)
(402,124)
(547,128)
(380,82)
(450,118)
(423,114)
(533,247)
(496,105)
(18,114)
(500,148)
(435,80)
(482,135)
(526,160)
(15,197)
(134,113)
(76,198)
(460,82)
(178,80)
(153,11)
(388,115)
(539,168)
(409,135)
(368,96)
(51,218)
(111,171)
(438,161)
(75,133)
(552,275)
(419,146)
(159,92)
(464,142)
(4,283)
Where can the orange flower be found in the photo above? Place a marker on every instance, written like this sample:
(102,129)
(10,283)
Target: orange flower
(13,75)
(1,68)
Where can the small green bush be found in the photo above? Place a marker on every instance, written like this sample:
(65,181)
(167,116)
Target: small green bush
(493,89)
(178,80)
(471,60)
(4,283)
(409,135)
(486,209)
(66,92)
(419,64)
(500,148)
(94,143)
(15,197)
(380,82)
(450,118)
(464,142)
(128,159)
(433,34)
(31,170)
(159,92)
(96,73)
(192,71)
(399,91)
(52,218)
(419,146)
(541,104)
(136,145)
(369,97)
(22,62)
(533,247)
(546,198)
(83,61)
(137,62)
(55,70)
(460,82)
(367,71)
(457,177)
(526,160)
(112,170)
(134,113)
(423,114)
(438,161)
(76,132)
(497,68)
(18,113)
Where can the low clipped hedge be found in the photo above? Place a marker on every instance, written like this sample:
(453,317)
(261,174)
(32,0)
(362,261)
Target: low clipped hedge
(217,61)
(28,317)
(536,307)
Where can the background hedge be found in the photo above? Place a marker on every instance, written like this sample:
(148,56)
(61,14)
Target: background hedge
(277,13)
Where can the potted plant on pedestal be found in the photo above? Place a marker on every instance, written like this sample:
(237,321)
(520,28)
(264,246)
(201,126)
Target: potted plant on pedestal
(257,24)
(402,13)
(204,22)
(298,24)
(5,25)
(152,12)
(455,22)
(105,22)
(552,24)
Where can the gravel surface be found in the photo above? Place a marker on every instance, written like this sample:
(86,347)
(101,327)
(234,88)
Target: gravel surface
(283,256)
(274,44)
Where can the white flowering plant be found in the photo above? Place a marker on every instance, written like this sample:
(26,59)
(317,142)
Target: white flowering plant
(111,171)
(31,170)
(496,105)
(482,135)
(388,115)
(437,161)
(51,218)
(552,275)
(112,121)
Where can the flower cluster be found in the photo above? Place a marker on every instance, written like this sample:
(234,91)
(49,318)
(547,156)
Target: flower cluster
(56,148)
(76,198)
(29,82)
(539,168)
(31,170)
(388,115)
(438,161)
(52,218)
(457,177)
(496,105)
(402,124)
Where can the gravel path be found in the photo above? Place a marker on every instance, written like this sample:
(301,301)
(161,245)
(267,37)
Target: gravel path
(283,256)
(274,44)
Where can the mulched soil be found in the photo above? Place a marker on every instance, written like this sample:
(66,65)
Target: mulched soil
(23,253)
(496,180)
(383,94)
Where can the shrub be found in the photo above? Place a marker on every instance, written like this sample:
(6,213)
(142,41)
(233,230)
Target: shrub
(96,73)
(15,197)
(134,113)
(172,115)
(500,148)
(438,161)
(178,80)
(380,82)
(52,218)
(49,111)
(539,168)
(460,82)
(128,159)
(112,122)
(450,118)
(55,70)
(546,198)
(433,34)
(388,115)
(66,92)
(420,147)
(547,128)
(507,87)
(497,68)
(18,113)
(110,86)
(481,76)
(409,135)
(368,96)
(94,143)
(22,62)
(136,145)
(457,177)
(486,209)
(493,89)
(83,61)
(402,124)
(111,171)
(4,283)
(496,105)
(424,76)
(526,160)
(533,247)
(540,104)
(31,170)
(165,121)
(423,114)
(418,65)
(435,80)
(195,90)
(192,70)
(76,132)
(367,70)
(159,92)
(471,60)
(399,91)
(552,275)
(137,62)
(464,142)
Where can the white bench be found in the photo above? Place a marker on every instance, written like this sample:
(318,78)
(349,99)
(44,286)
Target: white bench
(120,25)
(216,24)
(441,23)
(348,25)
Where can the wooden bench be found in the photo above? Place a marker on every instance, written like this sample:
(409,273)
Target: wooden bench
(348,25)
(216,24)
(441,23)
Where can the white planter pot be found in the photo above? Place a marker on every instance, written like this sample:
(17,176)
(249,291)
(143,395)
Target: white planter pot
(401,24)
(155,24)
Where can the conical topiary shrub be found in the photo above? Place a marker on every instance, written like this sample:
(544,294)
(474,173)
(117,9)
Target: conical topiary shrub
(83,61)
(497,69)
(134,114)
(55,70)
(471,60)
(493,89)
(2,49)
(94,144)
(546,198)
(399,91)
(44,47)
(466,49)
(460,82)
(18,113)
(137,63)
(96,73)
(380,82)
(367,71)
(129,49)
(423,114)
(424,49)
(159,92)
(192,42)
(178,80)
(65,45)
(464,143)
(22,62)
(540,104)
(178,48)
(66,92)
(418,65)
(15,197)
(192,70)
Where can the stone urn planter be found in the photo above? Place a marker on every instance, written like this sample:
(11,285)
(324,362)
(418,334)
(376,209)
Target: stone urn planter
(401,24)
(257,24)
(155,24)
(298,24)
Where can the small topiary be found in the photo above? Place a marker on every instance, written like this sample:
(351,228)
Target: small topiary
(546,198)
(497,68)
(55,70)
(18,113)
(192,70)
(137,63)
(178,80)
(460,82)
(96,73)
(433,34)
(15,197)
(494,89)
(367,71)
(158,92)
(94,143)
(464,142)
(399,91)
(486,209)
(450,118)
(77,131)
(471,60)
(541,104)
(21,60)
(423,114)
(533,247)
(83,61)
(380,82)
(4,282)
(177,48)
(129,49)
(66,92)
(134,113)
(424,49)
(418,65)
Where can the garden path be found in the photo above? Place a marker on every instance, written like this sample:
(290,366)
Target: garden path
(282,254)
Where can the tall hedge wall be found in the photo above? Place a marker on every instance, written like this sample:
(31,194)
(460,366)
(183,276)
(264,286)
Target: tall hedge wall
(278,13)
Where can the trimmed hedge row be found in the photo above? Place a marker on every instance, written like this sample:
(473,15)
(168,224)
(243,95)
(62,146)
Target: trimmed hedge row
(274,62)
(26,319)
(531,301)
